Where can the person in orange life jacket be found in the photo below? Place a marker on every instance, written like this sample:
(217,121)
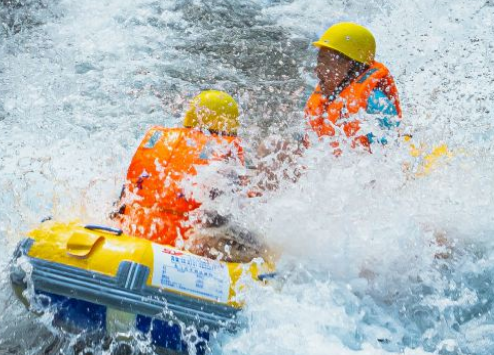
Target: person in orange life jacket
(352,82)
(154,204)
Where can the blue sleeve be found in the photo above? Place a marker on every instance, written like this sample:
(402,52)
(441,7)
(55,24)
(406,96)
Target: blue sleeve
(379,104)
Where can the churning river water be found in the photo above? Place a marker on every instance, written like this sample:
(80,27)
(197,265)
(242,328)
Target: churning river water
(362,271)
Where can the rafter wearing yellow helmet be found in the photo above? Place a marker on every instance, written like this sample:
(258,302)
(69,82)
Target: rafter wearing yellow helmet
(351,81)
(154,204)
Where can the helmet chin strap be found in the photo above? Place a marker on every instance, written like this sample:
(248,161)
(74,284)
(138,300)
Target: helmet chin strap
(353,73)
(222,133)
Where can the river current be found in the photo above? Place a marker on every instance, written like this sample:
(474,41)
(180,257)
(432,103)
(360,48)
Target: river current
(373,258)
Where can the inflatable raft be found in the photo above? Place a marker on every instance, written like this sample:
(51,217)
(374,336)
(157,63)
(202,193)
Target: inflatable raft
(93,274)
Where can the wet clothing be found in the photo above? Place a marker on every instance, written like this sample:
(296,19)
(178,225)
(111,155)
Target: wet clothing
(373,92)
(155,204)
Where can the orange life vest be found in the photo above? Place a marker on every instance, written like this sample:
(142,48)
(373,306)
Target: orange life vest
(155,205)
(324,115)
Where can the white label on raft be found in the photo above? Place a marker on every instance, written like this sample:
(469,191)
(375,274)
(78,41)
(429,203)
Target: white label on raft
(190,274)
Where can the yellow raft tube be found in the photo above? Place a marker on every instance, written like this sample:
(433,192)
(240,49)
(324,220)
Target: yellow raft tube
(106,273)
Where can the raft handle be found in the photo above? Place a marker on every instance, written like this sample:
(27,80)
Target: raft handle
(95,227)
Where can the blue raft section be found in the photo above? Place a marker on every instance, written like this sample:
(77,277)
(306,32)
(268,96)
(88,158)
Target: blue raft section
(93,318)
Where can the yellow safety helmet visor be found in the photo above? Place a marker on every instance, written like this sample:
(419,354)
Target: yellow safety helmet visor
(213,110)
(350,39)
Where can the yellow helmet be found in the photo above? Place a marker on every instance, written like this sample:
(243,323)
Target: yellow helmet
(213,110)
(354,41)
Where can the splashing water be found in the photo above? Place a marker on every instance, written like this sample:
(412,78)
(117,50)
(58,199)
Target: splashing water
(373,259)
